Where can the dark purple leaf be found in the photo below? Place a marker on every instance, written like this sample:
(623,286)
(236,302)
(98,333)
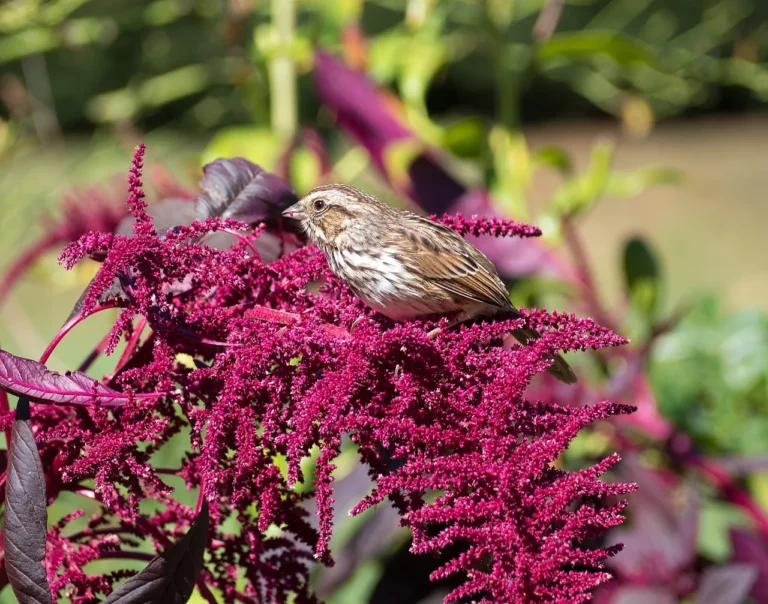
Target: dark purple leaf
(751,549)
(115,290)
(239,189)
(32,380)
(26,514)
(729,584)
(169,577)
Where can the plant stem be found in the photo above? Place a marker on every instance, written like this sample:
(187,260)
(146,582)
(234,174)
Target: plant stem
(588,285)
(67,327)
(130,348)
(5,409)
(547,21)
(282,71)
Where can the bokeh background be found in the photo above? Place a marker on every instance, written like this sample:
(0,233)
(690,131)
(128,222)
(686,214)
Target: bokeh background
(634,132)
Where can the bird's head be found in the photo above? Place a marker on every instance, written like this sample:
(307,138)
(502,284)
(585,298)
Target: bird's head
(327,211)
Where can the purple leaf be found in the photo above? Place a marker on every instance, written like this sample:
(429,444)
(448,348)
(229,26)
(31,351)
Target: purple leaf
(751,549)
(644,595)
(739,465)
(662,537)
(357,106)
(26,514)
(169,577)
(239,189)
(728,584)
(32,380)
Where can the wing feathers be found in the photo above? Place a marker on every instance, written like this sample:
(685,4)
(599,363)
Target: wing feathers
(443,257)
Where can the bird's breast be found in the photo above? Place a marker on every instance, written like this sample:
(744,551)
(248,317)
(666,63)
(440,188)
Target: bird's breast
(385,283)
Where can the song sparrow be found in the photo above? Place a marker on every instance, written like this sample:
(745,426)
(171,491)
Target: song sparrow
(404,265)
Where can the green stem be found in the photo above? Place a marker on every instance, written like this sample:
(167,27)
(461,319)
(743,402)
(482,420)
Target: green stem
(282,71)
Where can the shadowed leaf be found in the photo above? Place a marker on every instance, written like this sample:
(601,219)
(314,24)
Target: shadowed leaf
(752,550)
(169,578)
(26,514)
(113,291)
(641,274)
(239,189)
(165,214)
(32,380)
(728,584)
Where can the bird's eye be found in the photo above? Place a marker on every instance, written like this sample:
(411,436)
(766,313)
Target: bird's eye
(319,204)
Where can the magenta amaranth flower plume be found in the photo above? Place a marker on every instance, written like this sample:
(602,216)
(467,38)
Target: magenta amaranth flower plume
(255,367)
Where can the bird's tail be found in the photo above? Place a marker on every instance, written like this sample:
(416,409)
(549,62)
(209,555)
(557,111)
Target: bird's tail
(559,368)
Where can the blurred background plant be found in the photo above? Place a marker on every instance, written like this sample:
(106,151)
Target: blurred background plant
(629,130)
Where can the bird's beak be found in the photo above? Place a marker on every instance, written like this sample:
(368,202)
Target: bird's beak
(295,211)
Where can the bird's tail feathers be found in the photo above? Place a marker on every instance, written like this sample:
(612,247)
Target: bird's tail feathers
(559,368)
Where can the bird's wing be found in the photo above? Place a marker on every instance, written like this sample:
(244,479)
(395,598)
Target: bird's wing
(443,257)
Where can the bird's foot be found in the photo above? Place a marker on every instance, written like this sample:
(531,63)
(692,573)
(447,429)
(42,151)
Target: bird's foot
(355,322)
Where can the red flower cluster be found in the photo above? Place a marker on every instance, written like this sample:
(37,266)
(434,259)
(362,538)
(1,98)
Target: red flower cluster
(260,370)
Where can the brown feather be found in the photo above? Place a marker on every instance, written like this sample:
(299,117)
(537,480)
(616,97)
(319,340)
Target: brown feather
(445,258)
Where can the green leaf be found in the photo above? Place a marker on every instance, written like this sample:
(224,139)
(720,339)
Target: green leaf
(27,42)
(398,157)
(629,184)
(744,352)
(255,144)
(582,191)
(465,138)
(385,55)
(621,49)
(360,586)
(554,157)
(641,276)
(710,377)
(512,170)
(715,521)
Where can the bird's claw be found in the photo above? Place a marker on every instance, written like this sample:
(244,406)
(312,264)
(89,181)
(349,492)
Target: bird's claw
(355,322)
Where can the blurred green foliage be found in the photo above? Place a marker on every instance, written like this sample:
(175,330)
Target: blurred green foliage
(202,64)
(711,378)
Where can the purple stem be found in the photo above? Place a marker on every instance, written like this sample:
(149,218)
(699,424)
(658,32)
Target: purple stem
(94,354)
(130,348)
(67,327)
(5,408)
(584,272)
(244,240)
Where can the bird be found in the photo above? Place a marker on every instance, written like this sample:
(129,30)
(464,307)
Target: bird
(403,265)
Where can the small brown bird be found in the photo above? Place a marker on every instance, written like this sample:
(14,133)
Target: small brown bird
(404,265)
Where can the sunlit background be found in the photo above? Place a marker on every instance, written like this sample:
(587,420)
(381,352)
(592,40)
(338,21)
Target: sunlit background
(639,124)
